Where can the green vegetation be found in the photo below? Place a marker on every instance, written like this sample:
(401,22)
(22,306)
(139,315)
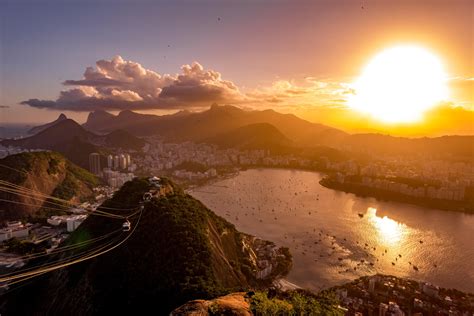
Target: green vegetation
(42,171)
(74,175)
(20,164)
(293,303)
(23,247)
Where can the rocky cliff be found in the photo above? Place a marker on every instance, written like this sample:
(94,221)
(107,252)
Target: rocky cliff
(46,172)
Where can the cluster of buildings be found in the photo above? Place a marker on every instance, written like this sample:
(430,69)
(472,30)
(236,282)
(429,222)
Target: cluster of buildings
(266,257)
(51,234)
(431,179)
(387,295)
(118,171)
(195,175)
(71,221)
(29,231)
(116,179)
(15,229)
(161,157)
(120,162)
(10,150)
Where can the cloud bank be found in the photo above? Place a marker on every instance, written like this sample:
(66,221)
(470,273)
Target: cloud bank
(118,84)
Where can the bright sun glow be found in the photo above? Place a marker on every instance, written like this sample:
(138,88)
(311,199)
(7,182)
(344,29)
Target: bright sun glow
(400,84)
(389,231)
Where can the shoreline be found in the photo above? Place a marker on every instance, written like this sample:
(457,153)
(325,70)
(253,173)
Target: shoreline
(383,195)
(283,282)
(358,190)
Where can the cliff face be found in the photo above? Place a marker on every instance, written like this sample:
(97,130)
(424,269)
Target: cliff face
(178,251)
(46,172)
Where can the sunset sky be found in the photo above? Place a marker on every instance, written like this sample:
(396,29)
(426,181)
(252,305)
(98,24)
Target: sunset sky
(300,57)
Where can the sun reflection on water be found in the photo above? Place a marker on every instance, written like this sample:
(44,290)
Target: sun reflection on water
(389,231)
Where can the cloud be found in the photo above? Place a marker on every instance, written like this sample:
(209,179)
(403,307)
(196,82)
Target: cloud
(4,106)
(309,92)
(119,84)
(197,84)
(462,91)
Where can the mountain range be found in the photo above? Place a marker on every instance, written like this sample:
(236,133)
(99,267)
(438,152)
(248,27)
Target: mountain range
(228,126)
(219,122)
(200,126)
(76,143)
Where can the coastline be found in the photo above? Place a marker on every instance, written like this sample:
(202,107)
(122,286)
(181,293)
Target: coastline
(359,190)
(283,283)
(383,195)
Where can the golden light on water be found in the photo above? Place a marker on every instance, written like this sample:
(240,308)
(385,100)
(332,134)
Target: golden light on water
(389,231)
(400,84)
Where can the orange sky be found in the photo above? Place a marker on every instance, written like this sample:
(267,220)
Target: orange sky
(292,56)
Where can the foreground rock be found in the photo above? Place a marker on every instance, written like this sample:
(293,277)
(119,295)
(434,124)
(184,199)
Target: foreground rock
(271,302)
(233,304)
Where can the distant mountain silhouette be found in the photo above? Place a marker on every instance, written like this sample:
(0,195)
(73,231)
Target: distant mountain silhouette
(101,121)
(200,126)
(218,120)
(40,128)
(122,139)
(74,142)
(58,133)
(253,136)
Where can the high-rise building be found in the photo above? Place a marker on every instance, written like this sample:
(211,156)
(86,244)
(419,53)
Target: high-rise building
(110,161)
(116,162)
(94,163)
(129,160)
(372,282)
(123,162)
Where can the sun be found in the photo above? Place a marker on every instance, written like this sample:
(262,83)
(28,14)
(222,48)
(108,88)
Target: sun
(399,84)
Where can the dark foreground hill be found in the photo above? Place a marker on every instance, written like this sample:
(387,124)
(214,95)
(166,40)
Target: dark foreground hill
(177,250)
(47,172)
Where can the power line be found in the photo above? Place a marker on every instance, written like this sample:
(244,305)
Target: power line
(87,257)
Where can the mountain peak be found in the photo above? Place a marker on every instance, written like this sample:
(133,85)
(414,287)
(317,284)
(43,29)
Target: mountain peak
(125,113)
(99,114)
(40,128)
